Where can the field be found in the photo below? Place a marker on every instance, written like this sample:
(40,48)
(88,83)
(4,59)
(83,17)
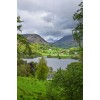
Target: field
(49,51)
(30,88)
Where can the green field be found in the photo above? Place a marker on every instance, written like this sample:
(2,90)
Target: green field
(30,88)
(49,51)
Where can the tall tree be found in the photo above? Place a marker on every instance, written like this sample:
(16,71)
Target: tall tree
(21,40)
(42,69)
(78,31)
(20,25)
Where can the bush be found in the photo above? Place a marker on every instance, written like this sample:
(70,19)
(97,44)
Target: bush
(26,69)
(73,81)
(33,68)
(67,84)
(23,70)
(53,92)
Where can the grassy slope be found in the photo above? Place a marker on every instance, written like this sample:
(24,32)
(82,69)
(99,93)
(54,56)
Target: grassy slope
(30,88)
(44,50)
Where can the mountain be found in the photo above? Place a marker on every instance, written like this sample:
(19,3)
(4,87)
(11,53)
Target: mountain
(65,42)
(35,38)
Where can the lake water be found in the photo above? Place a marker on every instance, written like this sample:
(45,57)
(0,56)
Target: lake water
(55,63)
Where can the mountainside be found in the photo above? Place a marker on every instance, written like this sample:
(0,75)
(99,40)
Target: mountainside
(35,38)
(65,42)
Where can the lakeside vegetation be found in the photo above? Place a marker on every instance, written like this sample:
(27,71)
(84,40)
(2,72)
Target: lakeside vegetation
(65,85)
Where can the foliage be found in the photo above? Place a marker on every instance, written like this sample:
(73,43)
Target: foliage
(19,21)
(54,92)
(70,81)
(58,77)
(26,69)
(23,70)
(42,69)
(54,88)
(65,85)
(73,81)
(21,40)
(47,50)
(68,84)
(78,31)
(33,68)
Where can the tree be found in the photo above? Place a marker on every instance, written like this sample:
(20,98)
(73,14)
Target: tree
(24,69)
(55,88)
(33,68)
(42,69)
(73,81)
(67,84)
(19,21)
(21,40)
(78,31)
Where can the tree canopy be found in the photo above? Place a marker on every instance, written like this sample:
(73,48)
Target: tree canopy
(20,25)
(42,69)
(78,31)
(21,40)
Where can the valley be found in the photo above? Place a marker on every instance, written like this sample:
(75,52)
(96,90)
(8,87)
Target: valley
(50,51)
(39,47)
(39,58)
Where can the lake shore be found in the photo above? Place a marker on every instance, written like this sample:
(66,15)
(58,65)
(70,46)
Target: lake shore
(55,63)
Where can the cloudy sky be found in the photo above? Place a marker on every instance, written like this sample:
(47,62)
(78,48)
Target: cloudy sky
(51,19)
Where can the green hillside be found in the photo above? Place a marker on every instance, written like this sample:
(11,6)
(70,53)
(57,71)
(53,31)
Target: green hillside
(30,88)
(66,42)
(49,51)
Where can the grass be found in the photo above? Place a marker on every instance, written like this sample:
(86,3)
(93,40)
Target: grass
(30,88)
(49,51)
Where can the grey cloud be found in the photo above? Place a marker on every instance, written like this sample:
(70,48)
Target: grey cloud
(49,18)
(52,19)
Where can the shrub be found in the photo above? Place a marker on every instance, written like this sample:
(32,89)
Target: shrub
(23,70)
(73,81)
(67,84)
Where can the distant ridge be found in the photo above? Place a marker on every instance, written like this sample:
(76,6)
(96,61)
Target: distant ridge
(35,38)
(66,42)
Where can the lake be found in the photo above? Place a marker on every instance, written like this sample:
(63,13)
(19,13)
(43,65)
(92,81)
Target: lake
(55,63)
